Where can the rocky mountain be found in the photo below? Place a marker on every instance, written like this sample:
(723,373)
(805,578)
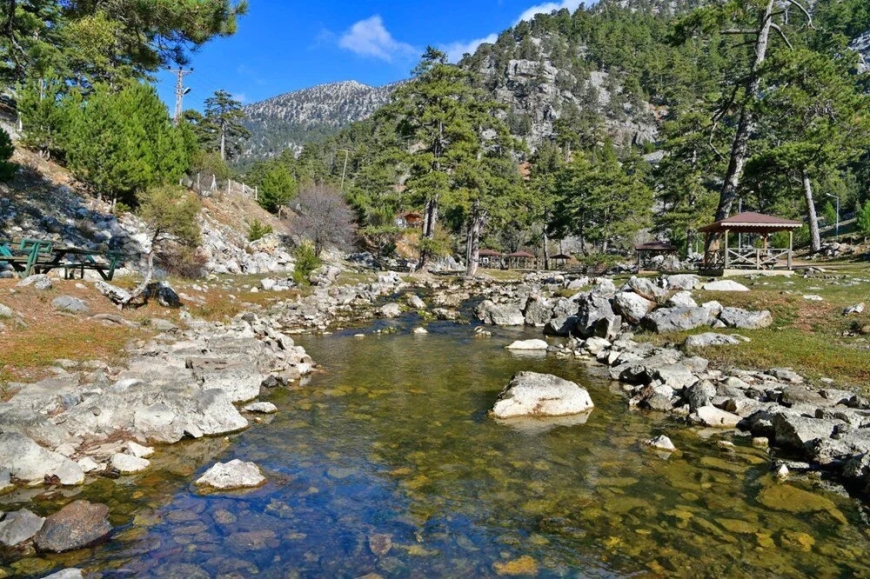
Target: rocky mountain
(290,120)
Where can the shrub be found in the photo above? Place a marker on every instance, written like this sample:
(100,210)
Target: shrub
(258,230)
(863,222)
(306,262)
(7,168)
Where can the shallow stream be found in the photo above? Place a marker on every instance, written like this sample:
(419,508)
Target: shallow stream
(386,463)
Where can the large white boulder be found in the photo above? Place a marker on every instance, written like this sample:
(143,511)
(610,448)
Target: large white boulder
(633,307)
(534,394)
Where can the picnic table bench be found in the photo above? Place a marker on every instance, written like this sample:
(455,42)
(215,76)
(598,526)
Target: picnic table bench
(32,256)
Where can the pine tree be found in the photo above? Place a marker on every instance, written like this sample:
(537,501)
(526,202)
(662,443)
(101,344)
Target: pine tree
(276,188)
(222,125)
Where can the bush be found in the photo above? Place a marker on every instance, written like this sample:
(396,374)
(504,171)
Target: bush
(306,262)
(863,222)
(258,230)
(7,168)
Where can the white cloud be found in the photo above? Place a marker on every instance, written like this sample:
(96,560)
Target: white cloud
(370,38)
(455,50)
(548,7)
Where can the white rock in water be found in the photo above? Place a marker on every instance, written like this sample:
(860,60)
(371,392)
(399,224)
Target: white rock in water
(261,408)
(528,345)
(87,464)
(66,574)
(138,450)
(782,472)
(420,331)
(232,475)
(19,526)
(533,394)
(128,464)
(725,285)
(661,442)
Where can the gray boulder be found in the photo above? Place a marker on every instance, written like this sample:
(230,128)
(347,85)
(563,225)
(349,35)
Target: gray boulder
(633,307)
(500,314)
(725,285)
(206,413)
(77,525)
(163,293)
(238,378)
(595,313)
(676,319)
(39,281)
(716,418)
(66,574)
(537,311)
(686,282)
(746,320)
(261,408)
(648,289)
(28,461)
(661,442)
(391,310)
(798,431)
(416,302)
(681,299)
(700,395)
(534,394)
(19,526)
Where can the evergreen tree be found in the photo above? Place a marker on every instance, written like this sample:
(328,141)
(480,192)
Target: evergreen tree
(222,127)
(44,114)
(276,187)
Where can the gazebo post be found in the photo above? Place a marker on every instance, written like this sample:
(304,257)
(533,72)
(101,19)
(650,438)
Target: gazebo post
(726,249)
(790,242)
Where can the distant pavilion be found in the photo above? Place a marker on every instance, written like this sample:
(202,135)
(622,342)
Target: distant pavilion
(646,251)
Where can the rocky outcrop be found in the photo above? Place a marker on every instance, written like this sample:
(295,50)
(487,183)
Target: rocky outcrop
(29,462)
(539,395)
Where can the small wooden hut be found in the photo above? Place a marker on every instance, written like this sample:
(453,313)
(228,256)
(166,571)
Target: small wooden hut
(721,256)
(646,251)
(522,260)
(561,259)
(489,258)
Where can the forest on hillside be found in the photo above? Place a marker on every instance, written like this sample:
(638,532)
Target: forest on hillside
(629,118)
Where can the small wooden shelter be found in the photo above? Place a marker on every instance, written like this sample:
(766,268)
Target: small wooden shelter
(561,259)
(646,251)
(721,256)
(489,258)
(522,260)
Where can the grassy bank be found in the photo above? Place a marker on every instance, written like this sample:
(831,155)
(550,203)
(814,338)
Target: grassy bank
(813,337)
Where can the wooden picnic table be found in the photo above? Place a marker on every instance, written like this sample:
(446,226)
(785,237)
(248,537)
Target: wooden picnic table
(31,256)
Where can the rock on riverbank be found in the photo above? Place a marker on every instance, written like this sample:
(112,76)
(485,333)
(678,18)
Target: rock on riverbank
(534,394)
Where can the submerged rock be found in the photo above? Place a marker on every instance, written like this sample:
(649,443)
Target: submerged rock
(77,525)
(661,442)
(533,394)
(234,474)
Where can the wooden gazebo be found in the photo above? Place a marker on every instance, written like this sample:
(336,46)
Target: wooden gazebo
(719,256)
(488,256)
(646,251)
(521,260)
(561,259)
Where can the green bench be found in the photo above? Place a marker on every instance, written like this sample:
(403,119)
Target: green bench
(32,256)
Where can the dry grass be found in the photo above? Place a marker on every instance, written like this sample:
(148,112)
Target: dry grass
(31,344)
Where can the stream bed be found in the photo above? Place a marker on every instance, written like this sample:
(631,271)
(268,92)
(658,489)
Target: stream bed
(385,463)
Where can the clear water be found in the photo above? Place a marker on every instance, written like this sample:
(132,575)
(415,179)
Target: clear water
(386,463)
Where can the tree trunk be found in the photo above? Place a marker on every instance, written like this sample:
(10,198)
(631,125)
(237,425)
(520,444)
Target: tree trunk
(473,250)
(815,237)
(746,125)
(429,219)
(546,249)
(140,289)
(223,144)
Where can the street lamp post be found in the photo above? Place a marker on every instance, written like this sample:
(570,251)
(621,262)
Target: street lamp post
(838,213)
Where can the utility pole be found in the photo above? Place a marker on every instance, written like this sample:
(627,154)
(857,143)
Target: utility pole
(180,91)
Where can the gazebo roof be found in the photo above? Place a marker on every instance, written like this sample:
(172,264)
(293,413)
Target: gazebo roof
(561,256)
(524,254)
(489,253)
(655,246)
(751,222)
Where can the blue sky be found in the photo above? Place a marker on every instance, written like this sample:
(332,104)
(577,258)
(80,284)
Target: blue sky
(286,45)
